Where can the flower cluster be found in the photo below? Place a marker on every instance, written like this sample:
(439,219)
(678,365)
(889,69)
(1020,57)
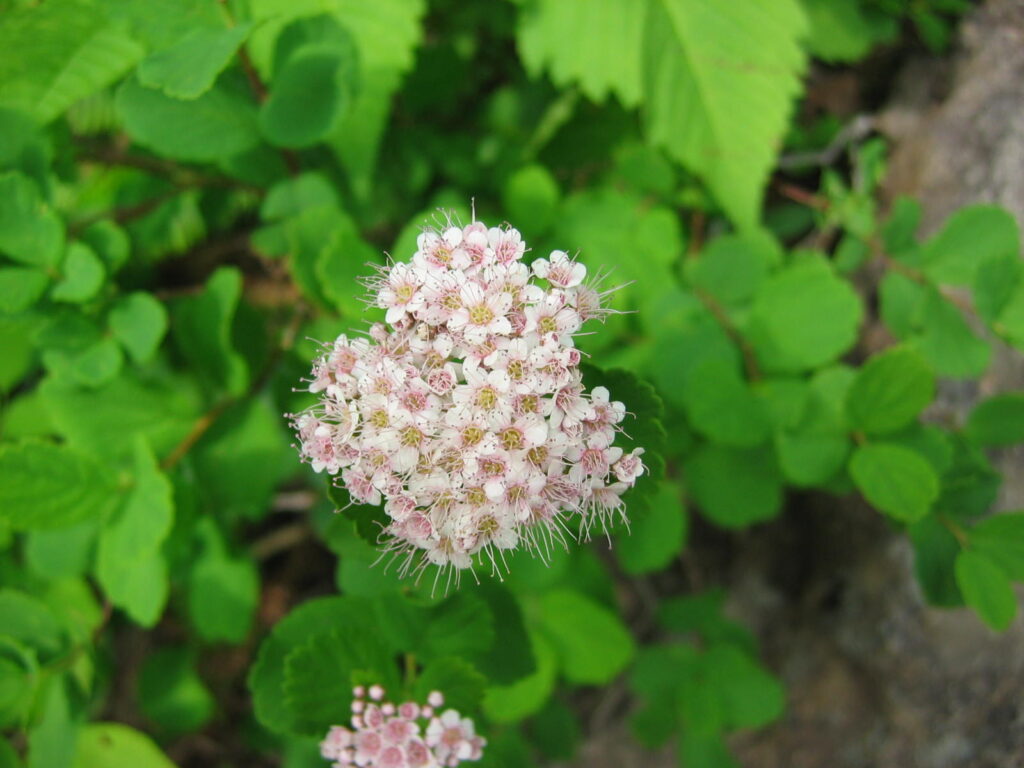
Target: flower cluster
(408,735)
(466,413)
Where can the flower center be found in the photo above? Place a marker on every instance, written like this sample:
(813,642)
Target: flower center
(476,496)
(411,437)
(516,369)
(511,439)
(405,292)
(472,435)
(547,325)
(486,398)
(379,418)
(537,455)
(481,314)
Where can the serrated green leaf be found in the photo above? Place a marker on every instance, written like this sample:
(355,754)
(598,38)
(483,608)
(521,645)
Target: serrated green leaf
(656,537)
(986,588)
(61,553)
(171,693)
(342,262)
(30,622)
(139,321)
(113,745)
(971,236)
(60,52)
(751,696)
(843,30)
(30,232)
(889,392)
(295,194)
(319,675)
(935,551)
(509,656)
(598,28)
(188,69)
(804,317)
(998,420)
(321,616)
(511,703)
(83,275)
(202,327)
(902,304)
(458,681)
(20,288)
(719,82)
(703,614)
(1001,539)
(49,486)
(19,678)
(218,124)
(463,624)
(734,487)
(591,643)
(970,485)
(129,564)
(995,284)
(895,480)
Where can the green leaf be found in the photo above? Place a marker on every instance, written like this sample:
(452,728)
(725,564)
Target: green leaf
(8,757)
(309,95)
(1001,539)
(319,675)
(842,30)
(734,487)
(19,678)
(702,614)
(61,553)
(188,69)
(462,624)
(613,25)
(20,288)
(995,284)
(889,392)
(218,124)
(986,588)
(530,196)
(902,304)
(31,623)
(139,321)
(511,703)
(895,480)
(804,317)
(656,537)
(555,731)
(342,616)
(202,328)
(19,355)
(162,410)
(223,591)
(509,657)
(969,485)
(30,232)
(242,459)
(732,267)
(592,644)
(719,82)
(998,420)
(342,262)
(971,236)
(458,680)
(112,745)
(751,696)
(171,693)
(720,405)
(83,275)
(948,343)
(58,53)
(49,486)
(935,551)
(52,740)
(129,564)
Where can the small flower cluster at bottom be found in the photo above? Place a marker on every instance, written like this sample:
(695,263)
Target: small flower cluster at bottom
(407,735)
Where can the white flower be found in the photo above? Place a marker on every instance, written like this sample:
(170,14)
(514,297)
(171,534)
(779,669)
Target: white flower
(466,415)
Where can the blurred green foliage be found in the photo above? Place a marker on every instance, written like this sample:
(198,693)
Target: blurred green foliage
(190,191)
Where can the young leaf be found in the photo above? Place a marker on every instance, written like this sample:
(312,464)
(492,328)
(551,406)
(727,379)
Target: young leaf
(1001,539)
(947,342)
(511,703)
(188,69)
(30,232)
(889,392)
(129,563)
(656,537)
(223,591)
(971,236)
(734,487)
(804,317)
(43,485)
(998,420)
(895,480)
(83,275)
(592,644)
(139,321)
(20,288)
(218,124)
(112,745)
(986,588)
(729,83)
(721,405)
(732,267)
